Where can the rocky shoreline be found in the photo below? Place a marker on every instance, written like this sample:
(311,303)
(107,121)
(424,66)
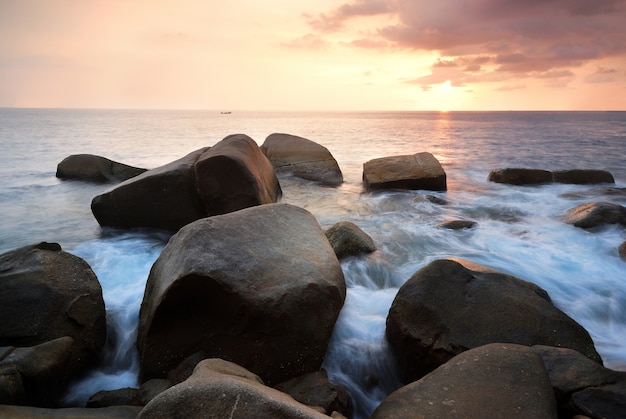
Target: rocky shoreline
(240,305)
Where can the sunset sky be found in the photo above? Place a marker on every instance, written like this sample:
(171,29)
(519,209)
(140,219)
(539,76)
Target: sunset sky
(314,54)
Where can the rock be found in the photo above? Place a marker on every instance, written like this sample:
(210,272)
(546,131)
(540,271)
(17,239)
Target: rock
(303,158)
(622,250)
(417,171)
(491,381)
(232,175)
(152,388)
(595,192)
(28,412)
(594,214)
(519,176)
(120,397)
(45,294)
(225,395)
(458,224)
(41,370)
(347,239)
(608,401)
(583,177)
(449,307)
(260,287)
(95,169)
(314,389)
(430,198)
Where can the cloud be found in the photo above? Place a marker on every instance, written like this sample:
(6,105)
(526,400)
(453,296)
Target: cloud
(603,75)
(336,19)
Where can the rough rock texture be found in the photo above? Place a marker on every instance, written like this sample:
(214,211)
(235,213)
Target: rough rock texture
(303,158)
(95,169)
(417,171)
(314,389)
(449,307)
(491,381)
(594,214)
(583,177)
(261,287)
(218,394)
(27,412)
(519,176)
(458,224)
(45,294)
(229,176)
(347,239)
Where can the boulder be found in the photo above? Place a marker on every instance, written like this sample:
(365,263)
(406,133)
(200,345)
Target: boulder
(347,239)
(520,176)
(451,306)
(622,250)
(458,224)
(224,395)
(229,176)
(595,214)
(95,169)
(28,412)
(417,171)
(491,381)
(582,177)
(314,389)
(121,397)
(302,158)
(596,192)
(608,401)
(261,287)
(45,294)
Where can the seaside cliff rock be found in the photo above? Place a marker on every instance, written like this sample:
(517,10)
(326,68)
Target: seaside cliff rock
(260,287)
(46,294)
(523,176)
(303,158)
(93,168)
(347,239)
(231,175)
(594,214)
(491,381)
(451,306)
(225,392)
(417,171)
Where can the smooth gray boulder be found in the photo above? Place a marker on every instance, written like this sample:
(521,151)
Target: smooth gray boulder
(417,171)
(492,381)
(347,239)
(302,158)
(261,287)
(595,214)
(450,306)
(94,168)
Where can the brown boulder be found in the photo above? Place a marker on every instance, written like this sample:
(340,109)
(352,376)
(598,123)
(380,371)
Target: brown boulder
(491,381)
(314,389)
(303,158)
(520,176)
(417,171)
(449,307)
(218,394)
(45,294)
(95,169)
(608,401)
(594,214)
(622,250)
(583,177)
(458,224)
(260,287)
(347,239)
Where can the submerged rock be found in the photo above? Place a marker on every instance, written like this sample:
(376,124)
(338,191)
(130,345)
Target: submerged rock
(622,250)
(303,158)
(594,214)
(449,307)
(520,176)
(260,287)
(583,177)
(458,224)
(417,171)
(95,169)
(347,239)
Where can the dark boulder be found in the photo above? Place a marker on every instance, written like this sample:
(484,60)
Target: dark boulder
(417,171)
(622,250)
(347,239)
(458,224)
(314,389)
(608,401)
(121,397)
(449,307)
(45,294)
(260,287)
(303,158)
(595,214)
(28,412)
(219,394)
(520,176)
(491,381)
(582,177)
(95,169)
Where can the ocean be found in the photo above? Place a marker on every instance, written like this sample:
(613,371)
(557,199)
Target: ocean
(519,229)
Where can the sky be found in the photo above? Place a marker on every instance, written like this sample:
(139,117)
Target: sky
(314,54)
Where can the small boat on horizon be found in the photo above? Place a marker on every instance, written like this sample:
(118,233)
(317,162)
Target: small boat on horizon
(226,113)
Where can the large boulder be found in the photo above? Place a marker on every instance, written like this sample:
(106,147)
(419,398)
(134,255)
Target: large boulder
(302,158)
(520,176)
(224,394)
(95,169)
(451,306)
(583,176)
(491,381)
(417,171)
(45,294)
(260,287)
(347,239)
(595,214)
(314,389)
(229,176)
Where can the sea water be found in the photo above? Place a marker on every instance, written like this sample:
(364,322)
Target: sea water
(519,231)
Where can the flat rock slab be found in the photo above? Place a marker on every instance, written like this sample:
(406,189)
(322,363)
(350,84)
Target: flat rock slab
(417,171)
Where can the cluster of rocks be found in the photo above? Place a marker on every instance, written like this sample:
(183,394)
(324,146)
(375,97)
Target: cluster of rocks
(240,305)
